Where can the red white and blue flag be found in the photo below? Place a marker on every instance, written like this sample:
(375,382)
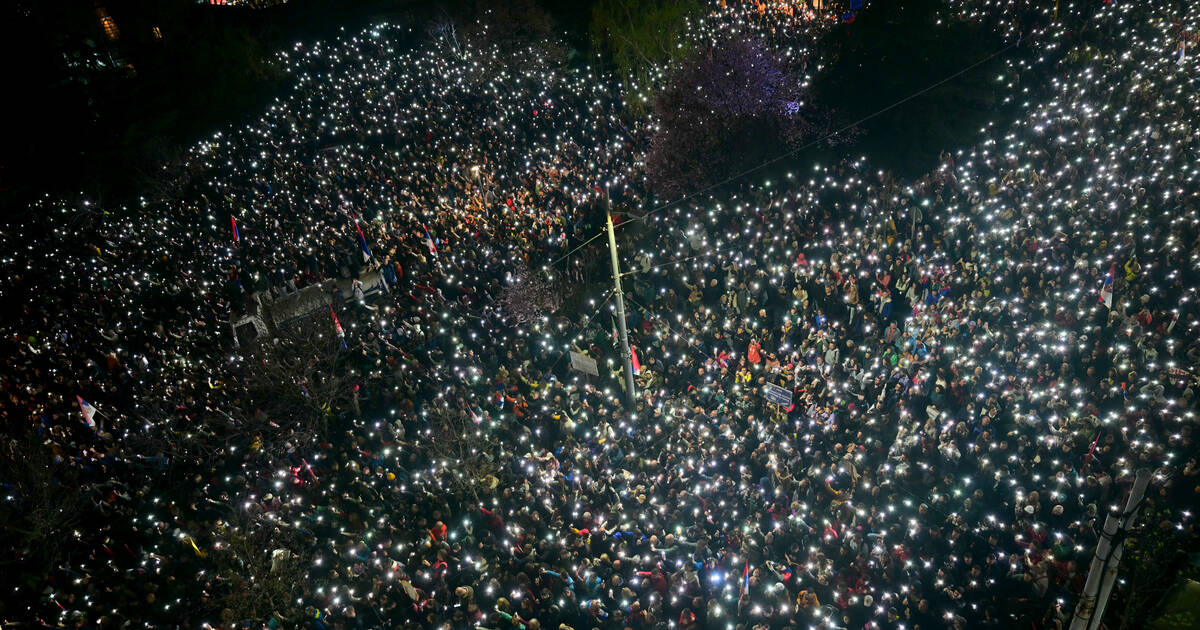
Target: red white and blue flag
(723,358)
(362,242)
(429,241)
(1087,460)
(236,235)
(337,326)
(89,412)
(474,416)
(1106,290)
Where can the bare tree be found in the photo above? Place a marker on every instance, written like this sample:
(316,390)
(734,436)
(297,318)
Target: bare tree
(260,563)
(1156,557)
(458,446)
(43,499)
(295,383)
(528,296)
(444,33)
(280,396)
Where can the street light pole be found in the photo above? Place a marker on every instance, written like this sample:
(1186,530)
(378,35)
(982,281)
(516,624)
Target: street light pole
(1103,572)
(626,353)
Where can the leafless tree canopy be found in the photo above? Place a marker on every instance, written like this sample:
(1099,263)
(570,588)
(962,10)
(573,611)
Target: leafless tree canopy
(43,498)
(260,563)
(528,296)
(457,443)
(280,397)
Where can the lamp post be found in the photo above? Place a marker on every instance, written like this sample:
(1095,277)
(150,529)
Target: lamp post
(626,353)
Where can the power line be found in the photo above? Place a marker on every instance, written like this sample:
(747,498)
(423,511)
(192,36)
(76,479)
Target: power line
(681,260)
(568,254)
(688,345)
(582,328)
(803,147)
(829,135)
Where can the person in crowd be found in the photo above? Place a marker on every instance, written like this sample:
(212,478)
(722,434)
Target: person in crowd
(974,383)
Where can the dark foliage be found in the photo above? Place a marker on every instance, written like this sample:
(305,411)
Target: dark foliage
(894,51)
(640,36)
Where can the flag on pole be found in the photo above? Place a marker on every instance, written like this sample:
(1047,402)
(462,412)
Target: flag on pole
(308,467)
(236,236)
(337,326)
(1088,460)
(89,412)
(362,242)
(429,240)
(1106,290)
(474,416)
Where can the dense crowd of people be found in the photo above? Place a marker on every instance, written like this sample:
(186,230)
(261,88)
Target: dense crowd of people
(978,360)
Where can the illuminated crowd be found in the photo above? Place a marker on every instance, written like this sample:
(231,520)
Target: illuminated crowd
(979,360)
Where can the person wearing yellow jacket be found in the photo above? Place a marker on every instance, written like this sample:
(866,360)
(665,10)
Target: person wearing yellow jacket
(1132,269)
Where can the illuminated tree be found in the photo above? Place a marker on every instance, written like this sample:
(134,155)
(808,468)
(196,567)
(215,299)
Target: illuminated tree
(730,105)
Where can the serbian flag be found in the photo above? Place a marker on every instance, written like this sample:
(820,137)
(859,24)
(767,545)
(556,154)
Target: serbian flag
(637,365)
(429,241)
(1088,460)
(337,326)
(474,416)
(236,236)
(89,412)
(745,577)
(362,242)
(1106,290)
(943,292)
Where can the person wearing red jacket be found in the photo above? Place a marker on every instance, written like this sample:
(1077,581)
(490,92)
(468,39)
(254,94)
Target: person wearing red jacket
(754,352)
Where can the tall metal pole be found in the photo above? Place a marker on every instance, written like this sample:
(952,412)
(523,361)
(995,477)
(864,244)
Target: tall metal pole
(626,353)
(1090,609)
